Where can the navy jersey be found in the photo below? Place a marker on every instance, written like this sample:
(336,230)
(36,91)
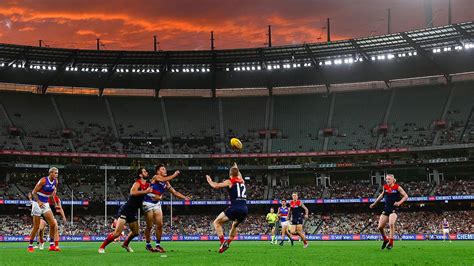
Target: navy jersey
(158,189)
(296,209)
(238,192)
(391,195)
(135,202)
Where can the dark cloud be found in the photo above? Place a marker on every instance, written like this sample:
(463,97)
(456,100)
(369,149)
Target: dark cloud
(185,24)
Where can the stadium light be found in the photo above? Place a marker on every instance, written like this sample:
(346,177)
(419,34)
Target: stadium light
(328,63)
(390,56)
(259,68)
(337,61)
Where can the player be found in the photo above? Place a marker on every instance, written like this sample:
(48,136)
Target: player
(445,227)
(283,213)
(272,218)
(45,188)
(152,205)
(57,209)
(237,211)
(391,194)
(128,213)
(296,211)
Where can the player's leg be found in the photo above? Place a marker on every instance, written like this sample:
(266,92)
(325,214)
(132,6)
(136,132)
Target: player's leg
(218,222)
(53,231)
(110,238)
(158,218)
(383,220)
(273,234)
(392,219)
(149,225)
(34,231)
(300,233)
(133,233)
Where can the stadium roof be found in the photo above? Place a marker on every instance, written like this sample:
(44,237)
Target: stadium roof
(105,64)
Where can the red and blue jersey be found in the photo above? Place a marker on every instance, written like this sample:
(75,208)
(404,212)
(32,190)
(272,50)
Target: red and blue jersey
(296,209)
(47,189)
(237,192)
(391,194)
(135,202)
(158,189)
(446,225)
(284,211)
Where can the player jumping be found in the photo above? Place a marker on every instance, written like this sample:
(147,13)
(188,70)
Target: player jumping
(237,211)
(283,213)
(45,188)
(128,213)
(272,218)
(391,194)
(152,205)
(296,210)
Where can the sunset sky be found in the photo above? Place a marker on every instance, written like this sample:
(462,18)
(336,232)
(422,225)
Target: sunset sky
(185,24)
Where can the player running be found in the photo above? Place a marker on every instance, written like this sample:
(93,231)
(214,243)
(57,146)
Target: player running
(128,213)
(152,205)
(283,213)
(391,194)
(445,227)
(272,218)
(237,211)
(296,210)
(45,188)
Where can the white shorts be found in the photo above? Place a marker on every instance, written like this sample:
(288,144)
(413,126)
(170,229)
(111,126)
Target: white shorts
(148,206)
(287,223)
(445,230)
(37,211)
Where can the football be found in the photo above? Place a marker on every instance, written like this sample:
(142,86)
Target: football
(236,144)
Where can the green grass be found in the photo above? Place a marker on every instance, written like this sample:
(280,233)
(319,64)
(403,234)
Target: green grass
(249,253)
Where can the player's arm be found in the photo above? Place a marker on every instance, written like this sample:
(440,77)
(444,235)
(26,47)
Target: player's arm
(306,211)
(134,191)
(176,193)
(235,166)
(166,178)
(379,198)
(61,210)
(404,198)
(225,183)
(36,189)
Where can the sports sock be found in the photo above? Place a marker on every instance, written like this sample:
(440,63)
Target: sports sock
(385,238)
(127,241)
(31,243)
(158,244)
(273,238)
(51,243)
(221,239)
(391,241)
(107,241)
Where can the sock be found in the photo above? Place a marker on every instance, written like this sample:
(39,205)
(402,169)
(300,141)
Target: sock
(127,241)
(385,238)
(305,242)
(158,243)
(31,243)
(230,239)
(221,239)
(391,241)
(107,241)
(273,238)
(51,244)
(56,243)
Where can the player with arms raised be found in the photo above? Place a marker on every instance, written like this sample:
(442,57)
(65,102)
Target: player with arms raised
(296,210)
(44,189)
(128,213)
(152,205)
(391,194)
(237,211)
(283,213)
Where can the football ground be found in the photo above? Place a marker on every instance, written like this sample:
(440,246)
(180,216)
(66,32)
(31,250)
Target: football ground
(248,253)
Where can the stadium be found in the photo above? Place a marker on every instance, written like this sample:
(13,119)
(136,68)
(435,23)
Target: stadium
(332,121)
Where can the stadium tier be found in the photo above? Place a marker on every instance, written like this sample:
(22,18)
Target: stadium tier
(413,117)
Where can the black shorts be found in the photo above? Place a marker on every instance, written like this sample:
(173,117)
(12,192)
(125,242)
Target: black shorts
(127,213)
(271,225)
(297,220)
(236,213)
(387,210)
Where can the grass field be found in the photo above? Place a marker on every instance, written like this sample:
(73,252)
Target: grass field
(249,253)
